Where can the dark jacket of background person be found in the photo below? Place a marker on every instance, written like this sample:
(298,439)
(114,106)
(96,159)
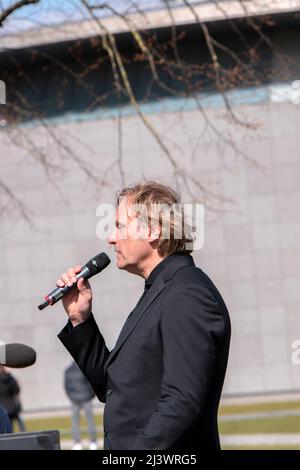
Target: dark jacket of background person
(162,382)
(9,391)
(77,387)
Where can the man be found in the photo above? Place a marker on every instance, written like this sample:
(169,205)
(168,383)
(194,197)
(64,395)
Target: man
(163,380)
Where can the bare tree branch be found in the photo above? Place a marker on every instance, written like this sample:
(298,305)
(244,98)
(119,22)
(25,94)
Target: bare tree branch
(120,148)
(14,7)
(170,73)
(15,202)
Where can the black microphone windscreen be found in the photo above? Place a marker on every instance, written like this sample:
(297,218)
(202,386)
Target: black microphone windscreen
(17,355)
(96,264)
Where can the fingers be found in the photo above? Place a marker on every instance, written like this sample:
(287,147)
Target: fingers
(83,285)
(69,278)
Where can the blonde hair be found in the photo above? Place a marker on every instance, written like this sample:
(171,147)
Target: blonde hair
(161,202)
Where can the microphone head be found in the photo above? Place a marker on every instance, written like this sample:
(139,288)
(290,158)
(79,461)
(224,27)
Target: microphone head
(17,355)
(96,264)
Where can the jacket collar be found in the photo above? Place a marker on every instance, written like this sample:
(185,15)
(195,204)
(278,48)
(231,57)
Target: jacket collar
(176,262)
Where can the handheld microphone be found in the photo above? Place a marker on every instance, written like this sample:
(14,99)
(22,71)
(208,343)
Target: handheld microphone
(17,355)
(94,266)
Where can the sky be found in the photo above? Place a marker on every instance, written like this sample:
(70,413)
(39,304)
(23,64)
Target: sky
(58,11)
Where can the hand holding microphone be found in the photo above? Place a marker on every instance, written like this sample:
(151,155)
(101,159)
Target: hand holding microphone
(77,302)
(75,290)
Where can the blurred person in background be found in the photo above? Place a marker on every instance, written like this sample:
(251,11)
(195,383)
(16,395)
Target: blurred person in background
(80,394)
(5,425)
(10,397)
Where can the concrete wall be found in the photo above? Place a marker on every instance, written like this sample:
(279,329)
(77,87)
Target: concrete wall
(251,251)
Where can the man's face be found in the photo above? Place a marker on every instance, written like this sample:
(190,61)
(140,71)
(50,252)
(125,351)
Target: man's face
(131,242)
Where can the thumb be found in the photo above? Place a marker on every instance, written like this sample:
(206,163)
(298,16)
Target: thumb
(83,285)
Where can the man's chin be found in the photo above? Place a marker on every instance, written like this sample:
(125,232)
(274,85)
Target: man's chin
(121,265)
(120,262)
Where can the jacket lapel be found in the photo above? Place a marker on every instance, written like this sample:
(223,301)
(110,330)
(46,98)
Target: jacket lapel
(136,316)
(138,312)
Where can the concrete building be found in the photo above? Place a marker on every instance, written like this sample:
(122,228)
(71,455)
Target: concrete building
(252,245)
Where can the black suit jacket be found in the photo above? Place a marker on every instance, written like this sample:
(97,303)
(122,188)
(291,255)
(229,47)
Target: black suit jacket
(163,380)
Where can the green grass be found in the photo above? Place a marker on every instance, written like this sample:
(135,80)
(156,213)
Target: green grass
(62,424)
(285,424)
(288,424)
(258,407)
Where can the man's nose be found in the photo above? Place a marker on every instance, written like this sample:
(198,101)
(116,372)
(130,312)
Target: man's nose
(112,238)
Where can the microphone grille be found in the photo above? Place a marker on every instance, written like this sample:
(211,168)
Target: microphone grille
(98,263)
